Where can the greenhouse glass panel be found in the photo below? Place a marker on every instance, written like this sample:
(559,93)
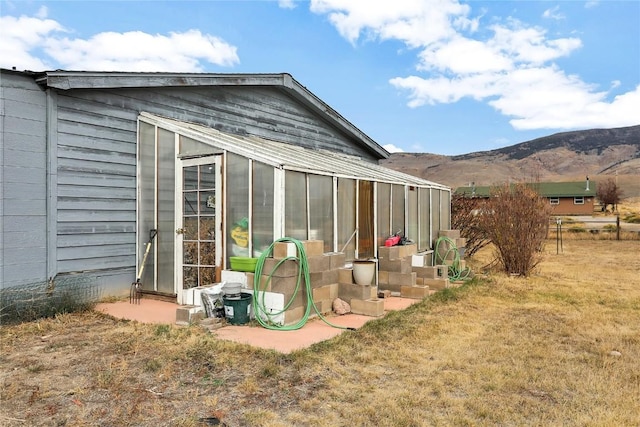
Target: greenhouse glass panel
(262,219)
(321,210)
(384,212)
(347,217)
(237,206)
(435,212)
(412,215)
(146,202)
(295,205)
(166,191)
(424,241)
(397,209)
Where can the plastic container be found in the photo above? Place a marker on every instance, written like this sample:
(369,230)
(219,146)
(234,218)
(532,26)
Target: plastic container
(237,310)
(232,288)
(246,264)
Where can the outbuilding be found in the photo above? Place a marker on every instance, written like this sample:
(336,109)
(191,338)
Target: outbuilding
(94,164)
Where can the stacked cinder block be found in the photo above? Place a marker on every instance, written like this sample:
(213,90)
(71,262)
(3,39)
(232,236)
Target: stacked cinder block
(396,271)
(323,273)
(363,299)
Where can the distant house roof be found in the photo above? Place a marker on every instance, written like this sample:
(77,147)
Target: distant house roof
(546,189)
(68,80)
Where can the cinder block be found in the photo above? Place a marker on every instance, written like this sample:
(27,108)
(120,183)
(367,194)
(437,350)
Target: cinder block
(293,315)
(187,314)
(345,276)
(283,250)
(384,294)
(389,253)
(286,285)
(419,281)
(371,307)
(318,263)
(407,250)
(330,276)
(383,277)
(288,268)
(250,279)
(397,265)
(392,289)
(437,284)
(313,247)
(348,292)
(426,272)
(324,306)
(327,292)
(405,279)
(414,292)
(263,285)
(337,260)
(317,279)
(452,234)
(442,271)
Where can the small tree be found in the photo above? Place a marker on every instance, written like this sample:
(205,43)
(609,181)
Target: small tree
(516,219)
(608,193)
(465,216)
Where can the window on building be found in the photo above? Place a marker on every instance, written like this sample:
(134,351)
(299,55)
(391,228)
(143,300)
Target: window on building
(578,200)
(554,200)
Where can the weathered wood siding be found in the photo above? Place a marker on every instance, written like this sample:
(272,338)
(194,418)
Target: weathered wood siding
(96,156)
(23,189)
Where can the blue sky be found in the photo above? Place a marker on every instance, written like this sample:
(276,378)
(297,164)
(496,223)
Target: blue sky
(432,76)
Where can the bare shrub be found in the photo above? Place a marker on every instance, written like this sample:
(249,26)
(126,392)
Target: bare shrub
(465,217)
(516,219)
(608,193)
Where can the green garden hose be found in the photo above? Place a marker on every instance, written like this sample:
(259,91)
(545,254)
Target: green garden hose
(454,270)
(262,314)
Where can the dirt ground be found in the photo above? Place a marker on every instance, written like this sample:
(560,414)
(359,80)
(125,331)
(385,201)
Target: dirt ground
(450,360)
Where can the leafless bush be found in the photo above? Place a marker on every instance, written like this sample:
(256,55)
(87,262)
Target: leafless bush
(515,219)
(465,217)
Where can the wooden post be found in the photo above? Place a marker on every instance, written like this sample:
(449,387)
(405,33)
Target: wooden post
(618,227)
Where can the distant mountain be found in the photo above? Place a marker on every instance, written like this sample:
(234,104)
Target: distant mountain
(566,156)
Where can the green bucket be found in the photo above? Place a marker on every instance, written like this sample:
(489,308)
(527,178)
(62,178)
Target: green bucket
(237,310)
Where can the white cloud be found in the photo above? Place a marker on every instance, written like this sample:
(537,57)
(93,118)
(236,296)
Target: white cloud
(22,38)
(392,148)
(512,70)
(553,13)
(415,22)
(287,4)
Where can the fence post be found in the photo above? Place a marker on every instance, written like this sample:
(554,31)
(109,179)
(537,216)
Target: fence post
(618,227)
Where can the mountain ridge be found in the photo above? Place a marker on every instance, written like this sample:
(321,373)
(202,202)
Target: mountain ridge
(565,156)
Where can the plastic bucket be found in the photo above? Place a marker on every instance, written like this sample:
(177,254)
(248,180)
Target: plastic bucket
(237,310)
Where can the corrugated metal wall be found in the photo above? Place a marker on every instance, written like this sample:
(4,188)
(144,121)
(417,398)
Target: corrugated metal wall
(96,144)
(23,158)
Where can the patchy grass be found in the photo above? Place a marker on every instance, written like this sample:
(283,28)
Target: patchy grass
(557,348)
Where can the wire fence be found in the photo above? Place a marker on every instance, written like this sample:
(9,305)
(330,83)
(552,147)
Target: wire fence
(597,228)
(63,294)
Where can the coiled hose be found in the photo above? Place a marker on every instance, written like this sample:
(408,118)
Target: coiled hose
(454,270)
(264,316)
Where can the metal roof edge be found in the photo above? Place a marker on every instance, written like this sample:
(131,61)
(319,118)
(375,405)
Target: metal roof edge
(67,80)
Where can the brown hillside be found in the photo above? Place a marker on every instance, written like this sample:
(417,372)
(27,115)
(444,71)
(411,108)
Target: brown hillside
(554,158)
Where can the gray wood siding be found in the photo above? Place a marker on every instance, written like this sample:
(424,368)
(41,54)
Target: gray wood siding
(96,134)
(23,157)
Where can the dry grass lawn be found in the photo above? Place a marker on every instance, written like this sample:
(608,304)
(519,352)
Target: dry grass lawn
(558,348)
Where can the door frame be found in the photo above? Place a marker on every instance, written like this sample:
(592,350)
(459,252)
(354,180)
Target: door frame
(181,163)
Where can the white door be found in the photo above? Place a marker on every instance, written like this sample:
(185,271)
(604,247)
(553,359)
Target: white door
(198,221)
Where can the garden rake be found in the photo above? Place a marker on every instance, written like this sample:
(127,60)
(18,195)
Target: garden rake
(136,287)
